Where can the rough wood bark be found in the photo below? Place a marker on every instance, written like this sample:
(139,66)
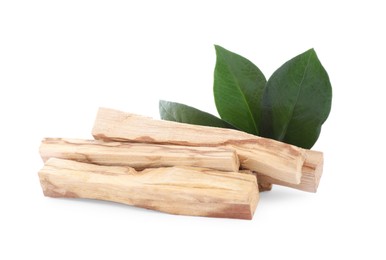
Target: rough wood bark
(175,190)
(138,155)
(275,159)
(311,174)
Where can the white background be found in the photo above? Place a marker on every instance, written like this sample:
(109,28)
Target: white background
(61,60)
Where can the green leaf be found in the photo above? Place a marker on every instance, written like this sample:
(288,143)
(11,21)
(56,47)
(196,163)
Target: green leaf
(238,89)
(297,101)
(185,114)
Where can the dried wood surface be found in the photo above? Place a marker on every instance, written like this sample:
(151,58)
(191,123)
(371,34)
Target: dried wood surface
(138,155)
(175,190)
(263,185)
(311,174)
(275,159)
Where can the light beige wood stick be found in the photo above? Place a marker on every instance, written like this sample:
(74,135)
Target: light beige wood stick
(263,185)
(176,190)
(311,174)
(139,155)
(275,159)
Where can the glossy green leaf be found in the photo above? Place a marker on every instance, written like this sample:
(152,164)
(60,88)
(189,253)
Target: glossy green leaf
(297,101)
(238,89)
(185,114)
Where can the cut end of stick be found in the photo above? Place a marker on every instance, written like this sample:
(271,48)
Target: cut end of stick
(311,173)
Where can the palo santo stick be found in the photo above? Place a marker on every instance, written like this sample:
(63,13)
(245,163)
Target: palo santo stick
(272,158)
(263,185)
(139,156)
(311,174)
(175,190)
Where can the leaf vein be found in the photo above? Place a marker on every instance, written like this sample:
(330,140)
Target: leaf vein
(282,136)
(243,96)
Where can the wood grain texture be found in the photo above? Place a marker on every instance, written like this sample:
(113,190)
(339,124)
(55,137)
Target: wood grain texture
(175,190)
(263,185)
(138,155)
(275,159)
(311,174)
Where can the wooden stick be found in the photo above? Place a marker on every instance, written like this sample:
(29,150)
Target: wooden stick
(175,190)
(263,185)
(139,156)
(311,174)
(275,159)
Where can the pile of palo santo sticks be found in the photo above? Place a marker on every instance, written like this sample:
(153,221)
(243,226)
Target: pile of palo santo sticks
(174,167)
